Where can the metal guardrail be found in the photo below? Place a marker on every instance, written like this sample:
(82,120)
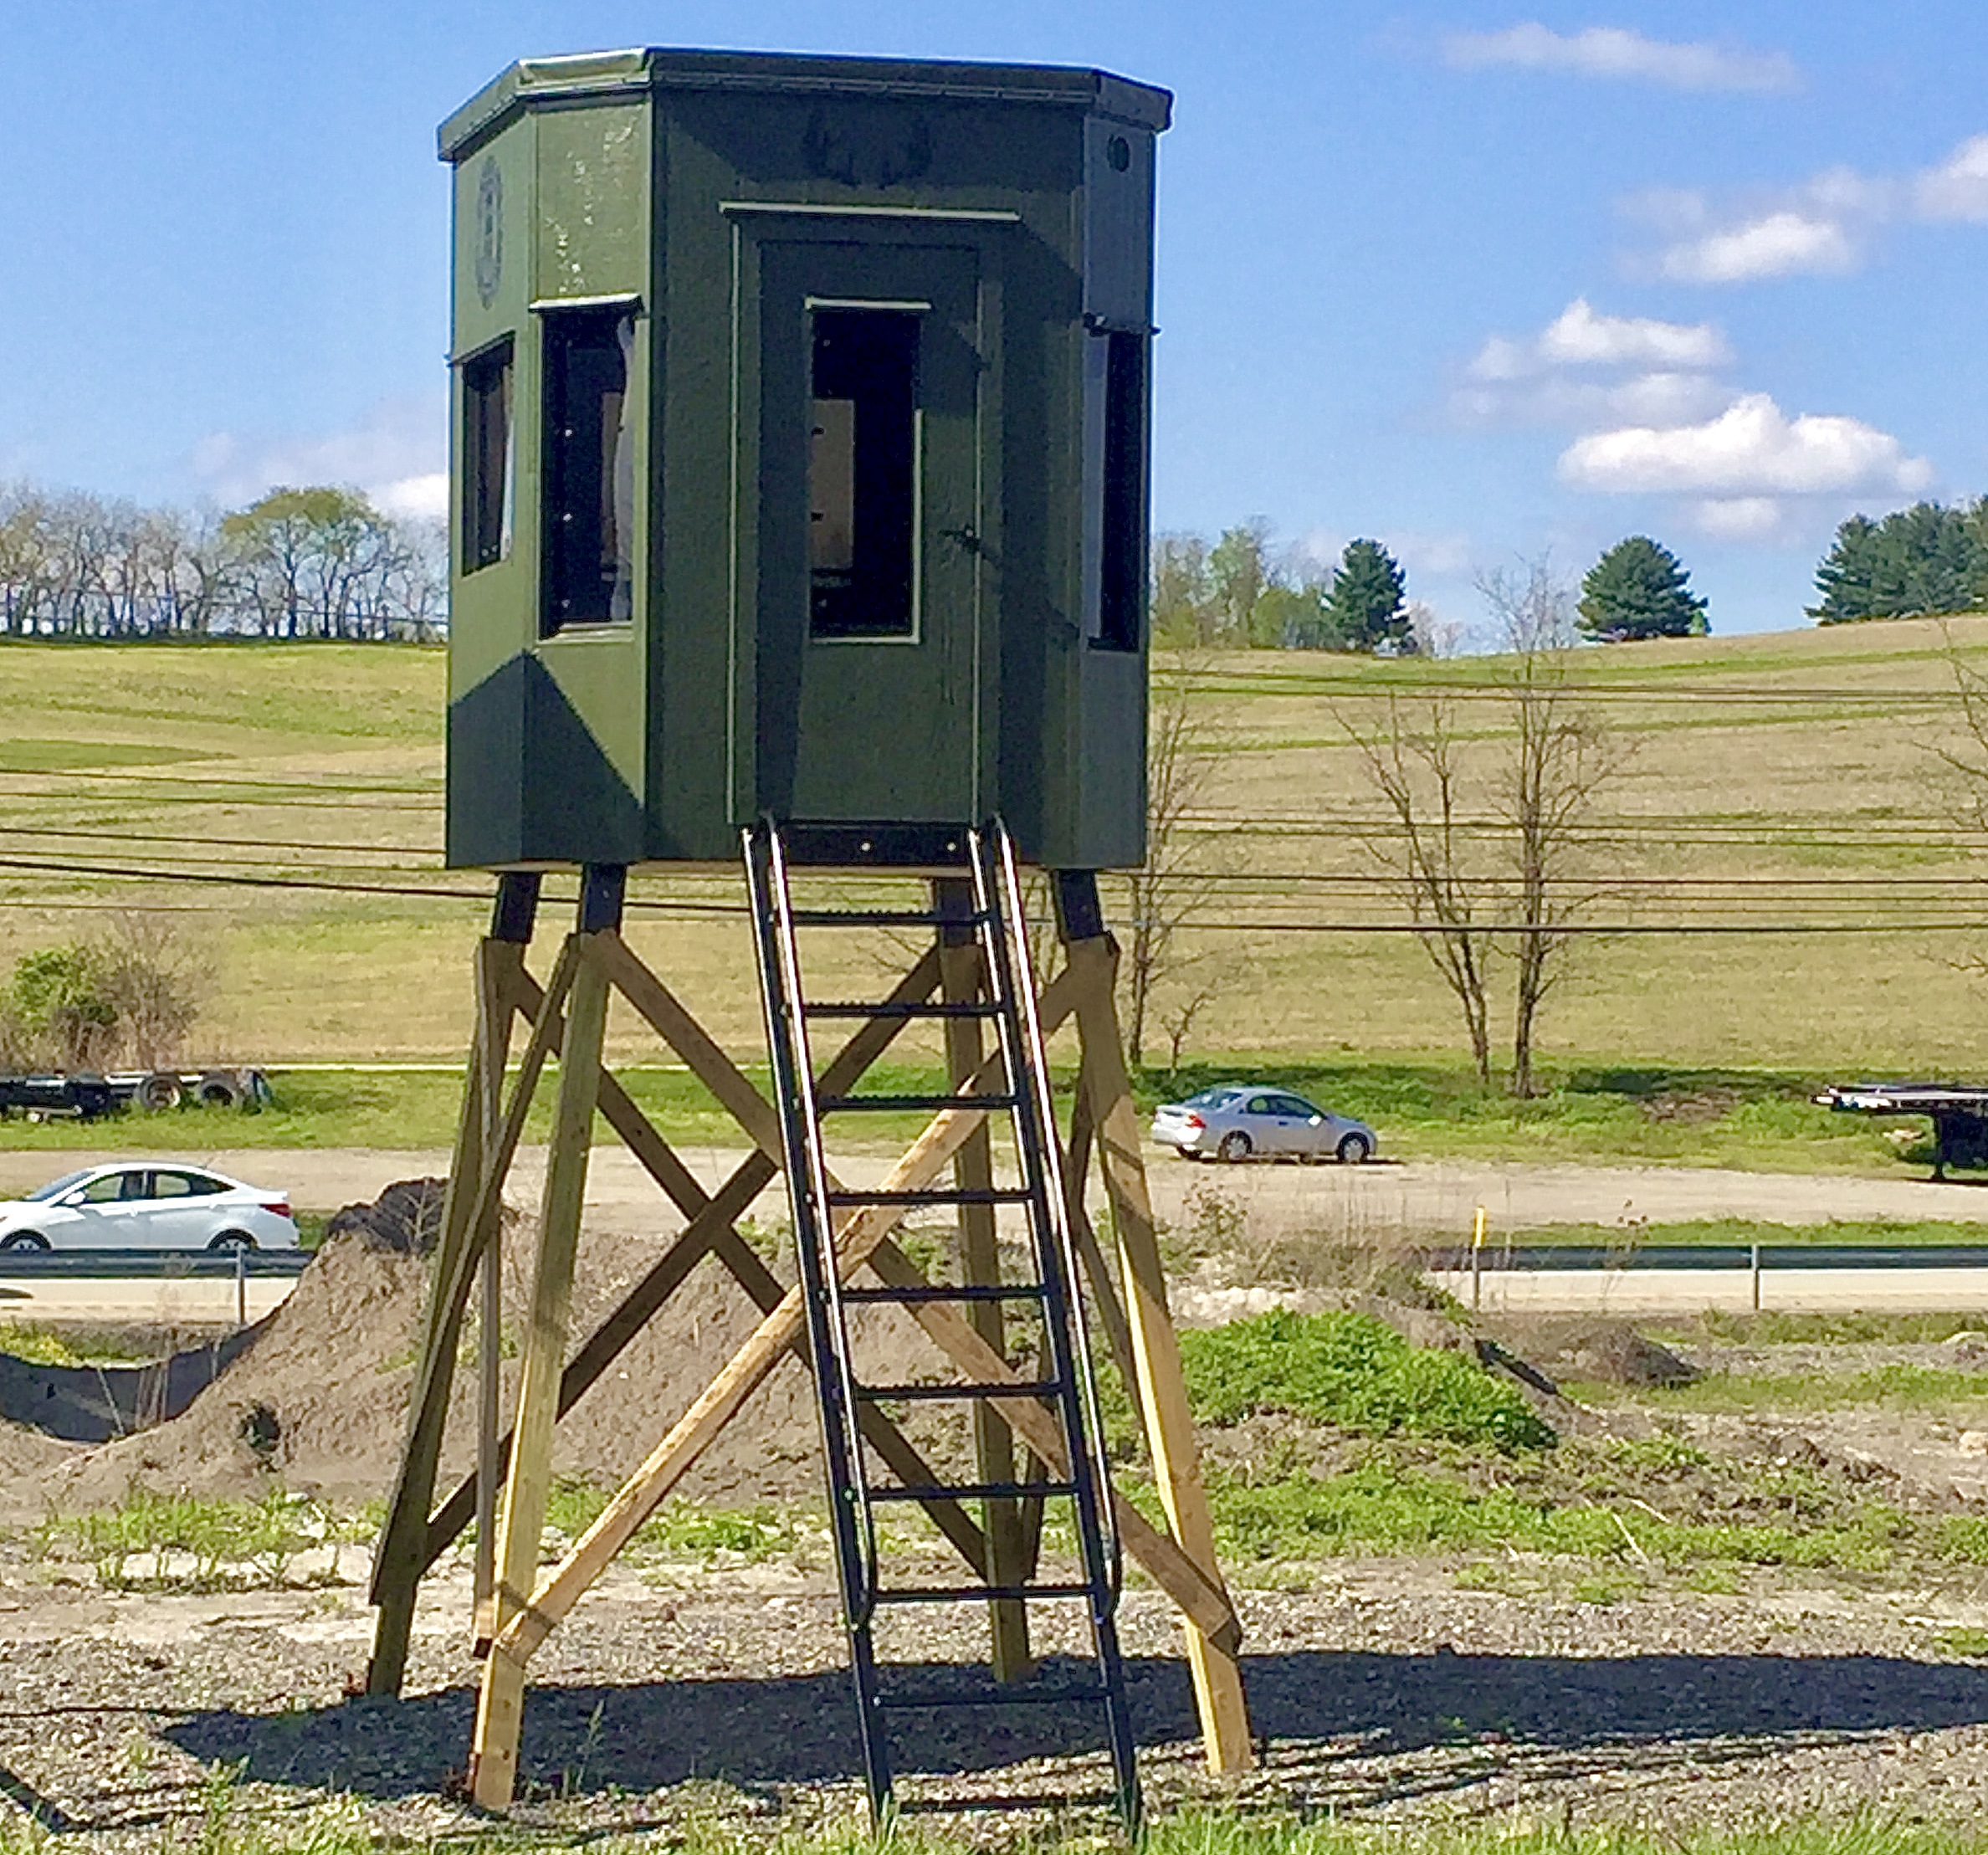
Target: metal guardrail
(1576,1258)
(29,1265)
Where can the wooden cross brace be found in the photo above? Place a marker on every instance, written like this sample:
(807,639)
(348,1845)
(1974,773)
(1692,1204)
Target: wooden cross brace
(519,1613)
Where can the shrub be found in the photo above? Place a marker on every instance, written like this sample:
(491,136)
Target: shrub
(1356,1372)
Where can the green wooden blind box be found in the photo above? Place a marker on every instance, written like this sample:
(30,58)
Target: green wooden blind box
(800,459)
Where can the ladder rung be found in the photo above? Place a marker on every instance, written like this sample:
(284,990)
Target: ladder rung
(845,1012)
(909,1297)
(975,1194)
(978,1594)
(961,1389)
(1060,1697)
(909,1104)
(979,1491)
(879,917)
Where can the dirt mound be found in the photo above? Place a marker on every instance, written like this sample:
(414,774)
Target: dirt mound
(407,1216)
(1608,1352)
(319,1403)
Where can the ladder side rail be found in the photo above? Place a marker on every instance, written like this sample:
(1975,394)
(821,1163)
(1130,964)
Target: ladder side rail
(1067,1327)
(829,1271)
(764,872)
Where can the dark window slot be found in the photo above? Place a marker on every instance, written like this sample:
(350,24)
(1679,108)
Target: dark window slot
(486,513)
(589,497)
(1122,563)
(863,475)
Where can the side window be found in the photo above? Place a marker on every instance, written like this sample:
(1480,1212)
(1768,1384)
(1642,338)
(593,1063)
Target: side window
(200,1186)
(1291,1105)
(487,462)
(111,1188)
(588,533)
(1115,398)
(180,1185)
(862,466)
(1260,1104)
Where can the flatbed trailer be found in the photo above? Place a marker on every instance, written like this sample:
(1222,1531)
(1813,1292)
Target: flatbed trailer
(88,1095)
(1958,1111)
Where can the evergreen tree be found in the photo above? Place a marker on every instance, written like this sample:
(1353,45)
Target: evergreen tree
(1925,559)
(1367,603)
(1639,589)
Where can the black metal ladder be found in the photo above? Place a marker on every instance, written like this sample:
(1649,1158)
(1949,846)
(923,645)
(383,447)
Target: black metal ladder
(1062,1379)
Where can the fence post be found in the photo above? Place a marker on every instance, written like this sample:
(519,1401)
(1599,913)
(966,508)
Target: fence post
(1756,1278)
(241,1256)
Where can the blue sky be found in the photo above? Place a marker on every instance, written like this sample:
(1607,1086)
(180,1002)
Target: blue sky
(1482,281)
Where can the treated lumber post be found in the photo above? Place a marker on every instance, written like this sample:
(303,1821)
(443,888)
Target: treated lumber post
(961,982)
(500,1705)
(400,1558)
(1156,1353)
(495,990)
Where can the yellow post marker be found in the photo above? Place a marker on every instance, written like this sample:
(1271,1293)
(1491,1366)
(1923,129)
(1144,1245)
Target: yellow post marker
(1476,1263)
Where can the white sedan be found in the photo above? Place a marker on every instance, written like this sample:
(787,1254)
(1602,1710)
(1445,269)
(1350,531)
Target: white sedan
(152,1207)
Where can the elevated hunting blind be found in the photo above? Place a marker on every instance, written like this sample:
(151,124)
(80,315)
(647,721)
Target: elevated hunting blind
(800,461)
(801,426)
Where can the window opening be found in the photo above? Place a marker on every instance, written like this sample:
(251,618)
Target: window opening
(1122,563)
(863,469)
(588,543)
(486,515)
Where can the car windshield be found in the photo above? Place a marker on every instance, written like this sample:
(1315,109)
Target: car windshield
(56,1188)
(1211,1097)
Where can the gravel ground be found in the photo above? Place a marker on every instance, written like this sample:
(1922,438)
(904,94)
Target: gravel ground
(1379,1689)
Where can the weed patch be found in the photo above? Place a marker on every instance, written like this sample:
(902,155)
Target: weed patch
(1356,1372)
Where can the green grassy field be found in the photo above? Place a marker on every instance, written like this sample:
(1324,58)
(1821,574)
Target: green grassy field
(1789,781)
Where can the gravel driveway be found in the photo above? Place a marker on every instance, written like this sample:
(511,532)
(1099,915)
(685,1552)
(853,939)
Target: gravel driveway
(1379,1690)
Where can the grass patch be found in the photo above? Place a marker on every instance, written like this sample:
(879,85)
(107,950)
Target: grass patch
(1728,1232)
(158,1542)
(1896,1387)
(680,1531)
(1820,1330)
(1356,1372)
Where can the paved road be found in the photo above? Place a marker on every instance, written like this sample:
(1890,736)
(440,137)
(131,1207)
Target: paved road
(1367,1203)
(1691,1291)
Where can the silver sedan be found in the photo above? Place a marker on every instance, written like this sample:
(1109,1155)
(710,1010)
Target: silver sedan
(1238,1122)
(148,1206)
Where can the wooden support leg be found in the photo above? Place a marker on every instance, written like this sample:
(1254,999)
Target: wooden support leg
(961,980)
(500,1706)
(493,1024)
(1162,1391)
(402,1558)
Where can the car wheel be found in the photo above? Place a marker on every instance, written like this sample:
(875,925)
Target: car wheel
(24,1239)
(218,1089)
(1234,1147)
(229,1241)
(1355,1150)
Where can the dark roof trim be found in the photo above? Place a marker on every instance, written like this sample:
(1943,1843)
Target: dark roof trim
(552,81)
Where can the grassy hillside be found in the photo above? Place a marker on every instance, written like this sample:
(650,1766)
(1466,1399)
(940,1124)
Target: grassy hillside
(1784,780)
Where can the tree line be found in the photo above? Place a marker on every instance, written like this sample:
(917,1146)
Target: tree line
(1920,561)
(310,563)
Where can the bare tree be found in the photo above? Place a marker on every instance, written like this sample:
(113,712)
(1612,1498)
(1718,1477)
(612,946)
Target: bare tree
(1560,757)
(1432,852)
(1492,853)
(1174,883)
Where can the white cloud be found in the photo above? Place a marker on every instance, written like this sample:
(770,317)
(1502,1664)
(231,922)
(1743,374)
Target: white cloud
(1752,451)
(1825,225)
(1579,337)
(1612,52)
(1781,244)
(1740,518)
(397,454)
(1550,378)
(1958,188)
